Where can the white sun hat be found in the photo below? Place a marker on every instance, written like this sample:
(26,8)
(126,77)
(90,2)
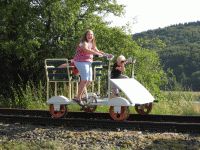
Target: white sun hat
(121,58)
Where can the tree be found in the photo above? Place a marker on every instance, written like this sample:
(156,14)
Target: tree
(195,80)
(181,51)
(33,30)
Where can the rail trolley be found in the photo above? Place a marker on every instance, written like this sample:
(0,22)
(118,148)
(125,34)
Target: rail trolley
(135,94)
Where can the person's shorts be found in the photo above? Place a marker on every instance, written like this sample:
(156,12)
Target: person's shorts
(85,70)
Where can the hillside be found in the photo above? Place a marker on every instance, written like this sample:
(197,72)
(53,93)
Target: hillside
(179,49)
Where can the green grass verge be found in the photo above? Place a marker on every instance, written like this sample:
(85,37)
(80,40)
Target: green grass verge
(172,102)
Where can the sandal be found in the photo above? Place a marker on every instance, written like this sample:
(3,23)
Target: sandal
(79,102)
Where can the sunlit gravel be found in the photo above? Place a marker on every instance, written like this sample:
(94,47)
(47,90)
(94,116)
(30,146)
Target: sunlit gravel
(80,138)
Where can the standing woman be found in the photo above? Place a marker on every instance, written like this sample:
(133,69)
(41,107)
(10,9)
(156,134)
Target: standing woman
(83,61)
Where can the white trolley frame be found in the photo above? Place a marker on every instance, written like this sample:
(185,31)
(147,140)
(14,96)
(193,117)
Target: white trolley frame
(135,94)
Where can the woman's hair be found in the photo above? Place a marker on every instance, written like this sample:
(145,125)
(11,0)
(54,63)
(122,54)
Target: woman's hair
(84,38)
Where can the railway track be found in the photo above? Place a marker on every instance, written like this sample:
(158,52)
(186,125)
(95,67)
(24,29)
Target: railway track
(154,123)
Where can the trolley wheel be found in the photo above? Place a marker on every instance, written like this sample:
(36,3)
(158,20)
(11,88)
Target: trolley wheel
(88,107)
(57,114)
(144,109)
(123,115)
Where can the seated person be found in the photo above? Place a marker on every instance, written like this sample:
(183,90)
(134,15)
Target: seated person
(117,72)
(74,71)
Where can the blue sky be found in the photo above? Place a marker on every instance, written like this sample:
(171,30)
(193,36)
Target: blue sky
(143,15)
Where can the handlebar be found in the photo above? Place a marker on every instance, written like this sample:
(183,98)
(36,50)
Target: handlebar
(108,56)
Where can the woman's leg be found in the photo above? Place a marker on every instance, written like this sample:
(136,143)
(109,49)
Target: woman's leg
(84,92)
(89,80)
(84,69)
(81,88)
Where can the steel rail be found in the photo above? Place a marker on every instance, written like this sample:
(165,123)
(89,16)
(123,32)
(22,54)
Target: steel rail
(104,124)
(160,123)
(84,115)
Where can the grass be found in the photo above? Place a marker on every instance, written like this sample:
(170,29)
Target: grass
(178,103)
(172,103)
(31,145)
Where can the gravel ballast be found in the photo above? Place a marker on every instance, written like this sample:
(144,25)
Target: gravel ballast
(48,137)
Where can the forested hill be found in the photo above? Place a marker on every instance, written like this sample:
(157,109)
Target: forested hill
(179,49)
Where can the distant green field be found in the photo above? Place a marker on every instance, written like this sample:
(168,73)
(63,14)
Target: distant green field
(193,96)
(178,103)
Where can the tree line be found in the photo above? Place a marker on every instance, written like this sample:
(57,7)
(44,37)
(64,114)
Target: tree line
(178,47)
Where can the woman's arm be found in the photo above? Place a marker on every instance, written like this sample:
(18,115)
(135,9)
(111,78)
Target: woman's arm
(99,51)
